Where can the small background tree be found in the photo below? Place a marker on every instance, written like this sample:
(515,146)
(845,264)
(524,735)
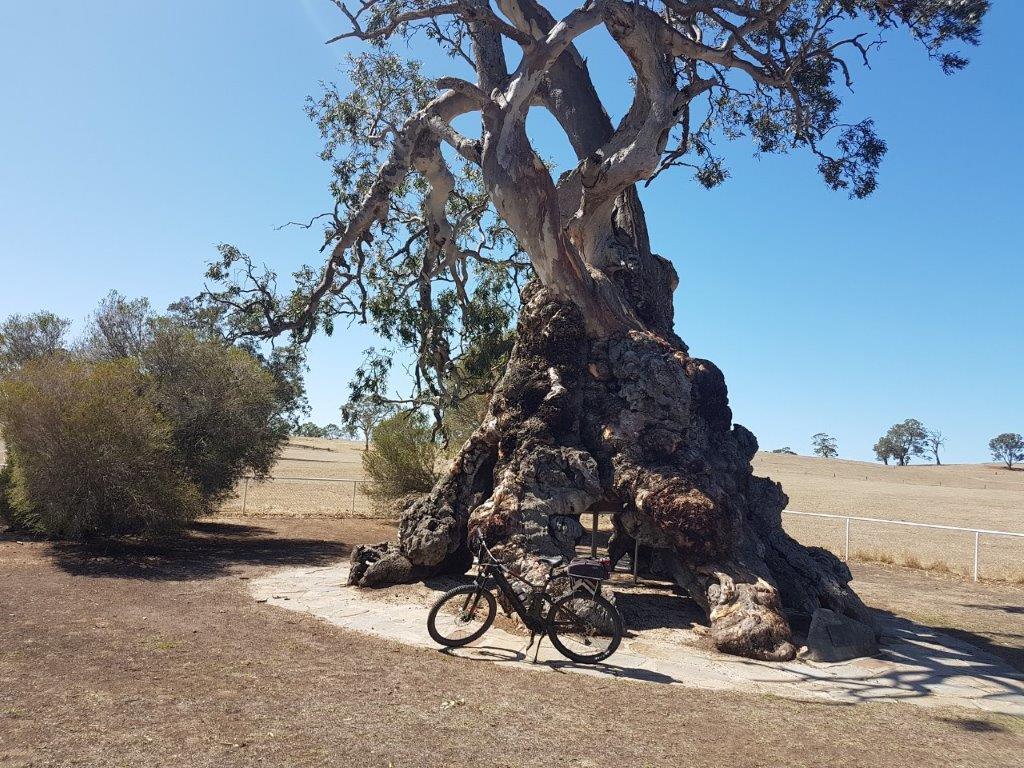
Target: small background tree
(825,445)
(785,450)
(884,450)
(933,442)
(903,441)
(1007,448)
(333,432)
(308,429)
(360,416)
(24,338)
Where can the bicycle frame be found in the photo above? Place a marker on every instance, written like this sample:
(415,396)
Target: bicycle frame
(494,573)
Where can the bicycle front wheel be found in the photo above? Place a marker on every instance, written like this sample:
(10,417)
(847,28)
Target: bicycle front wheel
(585,628)
(461,615)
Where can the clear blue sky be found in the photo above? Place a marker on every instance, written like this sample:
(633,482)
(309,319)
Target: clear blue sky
(134,137)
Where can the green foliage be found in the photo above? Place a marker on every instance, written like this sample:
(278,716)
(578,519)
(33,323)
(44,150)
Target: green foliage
(119,328)
(89,455)
(884,450)
(24,338)
(1007,448)
(902,442)
(286,363)
(402,458)
(333,432)
(221,405)
(462,420)
(308,429)
(786,450)
(145,426)
(17,519)
(825,445)
(326,432)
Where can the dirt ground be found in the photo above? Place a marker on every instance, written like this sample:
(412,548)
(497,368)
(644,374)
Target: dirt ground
(156,655)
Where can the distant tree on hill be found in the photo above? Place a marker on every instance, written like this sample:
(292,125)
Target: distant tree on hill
(933,442)
(903,441)
(1007,448)
(333,432)
(786,450)
(360,416)
(24,338)
(825,445)
(308,429)
(884,450)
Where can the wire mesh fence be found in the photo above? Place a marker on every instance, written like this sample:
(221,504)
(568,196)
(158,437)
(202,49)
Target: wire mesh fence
(297,496)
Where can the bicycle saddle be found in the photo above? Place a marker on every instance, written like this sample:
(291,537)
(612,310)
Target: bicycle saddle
(552,560)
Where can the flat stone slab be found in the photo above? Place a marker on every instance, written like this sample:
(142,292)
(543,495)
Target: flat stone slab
(916,664)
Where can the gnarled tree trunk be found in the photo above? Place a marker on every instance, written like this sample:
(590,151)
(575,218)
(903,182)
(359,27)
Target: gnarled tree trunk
(636,420)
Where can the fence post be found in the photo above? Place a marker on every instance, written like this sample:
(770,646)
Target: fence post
(354,483)
(977,534)
(846,550)
(245,496)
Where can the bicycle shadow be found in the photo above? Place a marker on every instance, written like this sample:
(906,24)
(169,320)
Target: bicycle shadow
(500,654)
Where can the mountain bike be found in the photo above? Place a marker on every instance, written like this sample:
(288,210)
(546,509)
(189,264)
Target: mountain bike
(581,623)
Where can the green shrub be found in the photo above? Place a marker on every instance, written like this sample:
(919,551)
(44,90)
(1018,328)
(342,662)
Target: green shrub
(8,514)
(402,458)
(222,407)
(89,455)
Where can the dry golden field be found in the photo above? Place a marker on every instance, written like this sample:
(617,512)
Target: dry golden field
(964,495)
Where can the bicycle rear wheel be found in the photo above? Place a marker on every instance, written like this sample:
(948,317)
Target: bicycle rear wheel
(461,615)
(585,628)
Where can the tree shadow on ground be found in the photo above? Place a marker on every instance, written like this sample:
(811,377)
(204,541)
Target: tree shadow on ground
(931,663)
(206,550)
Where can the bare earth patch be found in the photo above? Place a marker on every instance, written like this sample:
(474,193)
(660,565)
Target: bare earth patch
(159,656)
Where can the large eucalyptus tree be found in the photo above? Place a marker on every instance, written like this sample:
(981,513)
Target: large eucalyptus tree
(600,401)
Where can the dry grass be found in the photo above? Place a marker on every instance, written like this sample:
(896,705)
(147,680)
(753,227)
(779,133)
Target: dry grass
(904,559)
(333,460)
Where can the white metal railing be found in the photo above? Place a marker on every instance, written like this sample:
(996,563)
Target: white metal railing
(848,518)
